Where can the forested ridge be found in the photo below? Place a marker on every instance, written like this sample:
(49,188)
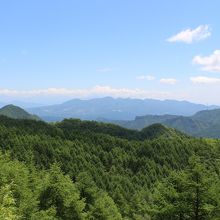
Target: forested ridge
(88,170)
(115,108)
(16,112)
(204,123)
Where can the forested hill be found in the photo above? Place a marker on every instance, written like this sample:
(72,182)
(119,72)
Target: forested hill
(89,170)
(87,127)
(202,124)
(16,112)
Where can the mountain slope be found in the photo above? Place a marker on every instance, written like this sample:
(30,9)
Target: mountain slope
(202,124)
(16,112)
(210,116)
(187,124)
(115,109)
(159,131)
(141,122)
(93,127)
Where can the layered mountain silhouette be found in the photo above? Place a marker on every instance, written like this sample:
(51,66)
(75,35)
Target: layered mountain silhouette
(186,117)
(115,109)
(202,124)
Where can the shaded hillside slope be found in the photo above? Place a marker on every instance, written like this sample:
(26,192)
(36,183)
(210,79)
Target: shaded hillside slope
(202,124)
(16,112)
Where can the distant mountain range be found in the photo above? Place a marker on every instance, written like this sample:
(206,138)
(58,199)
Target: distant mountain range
(205,123)
(115,109)
(16,112)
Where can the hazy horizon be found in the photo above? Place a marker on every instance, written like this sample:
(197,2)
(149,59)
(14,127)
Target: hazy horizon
(27,103)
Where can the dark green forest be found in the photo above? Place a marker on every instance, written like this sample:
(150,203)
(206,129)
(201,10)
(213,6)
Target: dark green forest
(75,170)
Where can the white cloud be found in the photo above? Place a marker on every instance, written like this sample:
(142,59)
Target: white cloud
(169,81)
(204,80)
(209,63)
(191,35)
(89,92)
(202,94)
(104,70)
(146,77)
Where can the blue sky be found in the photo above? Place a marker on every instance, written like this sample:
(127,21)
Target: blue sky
(53,50)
